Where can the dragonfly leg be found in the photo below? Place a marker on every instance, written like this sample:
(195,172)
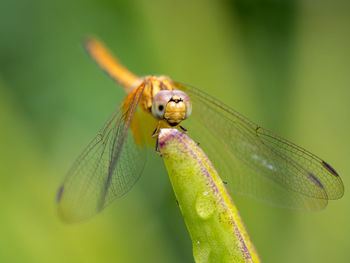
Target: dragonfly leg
(158,151)
(182,128)
(156,130)
(157,146)
(154,133)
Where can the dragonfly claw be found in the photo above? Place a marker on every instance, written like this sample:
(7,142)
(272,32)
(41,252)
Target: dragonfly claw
(183,129)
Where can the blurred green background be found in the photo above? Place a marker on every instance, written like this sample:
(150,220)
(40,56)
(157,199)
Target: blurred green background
(284,64)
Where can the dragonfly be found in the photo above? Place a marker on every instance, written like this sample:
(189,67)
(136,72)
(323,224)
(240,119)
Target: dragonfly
(253,161)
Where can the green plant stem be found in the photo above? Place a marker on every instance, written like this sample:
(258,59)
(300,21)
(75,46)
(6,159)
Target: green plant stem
(216,229)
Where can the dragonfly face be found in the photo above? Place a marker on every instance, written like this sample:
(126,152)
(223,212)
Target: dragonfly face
(254,161)
(161,98)
(172,106)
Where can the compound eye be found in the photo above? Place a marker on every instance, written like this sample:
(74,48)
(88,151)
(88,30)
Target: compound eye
(188,108)
(159,103)
(158,109)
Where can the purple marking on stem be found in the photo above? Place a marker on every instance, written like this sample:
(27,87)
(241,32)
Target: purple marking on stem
(244,248)
(178,136)
(161,144)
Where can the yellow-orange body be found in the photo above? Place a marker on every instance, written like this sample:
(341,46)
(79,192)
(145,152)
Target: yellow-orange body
(127,79)
(143,123)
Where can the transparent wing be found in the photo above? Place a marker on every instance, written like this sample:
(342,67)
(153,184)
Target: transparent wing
(256,162)
(107,169)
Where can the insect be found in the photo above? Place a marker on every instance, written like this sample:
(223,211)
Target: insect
(255,162)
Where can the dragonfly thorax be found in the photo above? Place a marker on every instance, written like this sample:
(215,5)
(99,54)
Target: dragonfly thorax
(152,85)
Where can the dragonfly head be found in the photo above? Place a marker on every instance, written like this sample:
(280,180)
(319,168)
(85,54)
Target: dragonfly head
(173,106)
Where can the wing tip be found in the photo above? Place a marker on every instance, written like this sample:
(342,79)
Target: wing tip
(69,216)
(330,169)
(340,193)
